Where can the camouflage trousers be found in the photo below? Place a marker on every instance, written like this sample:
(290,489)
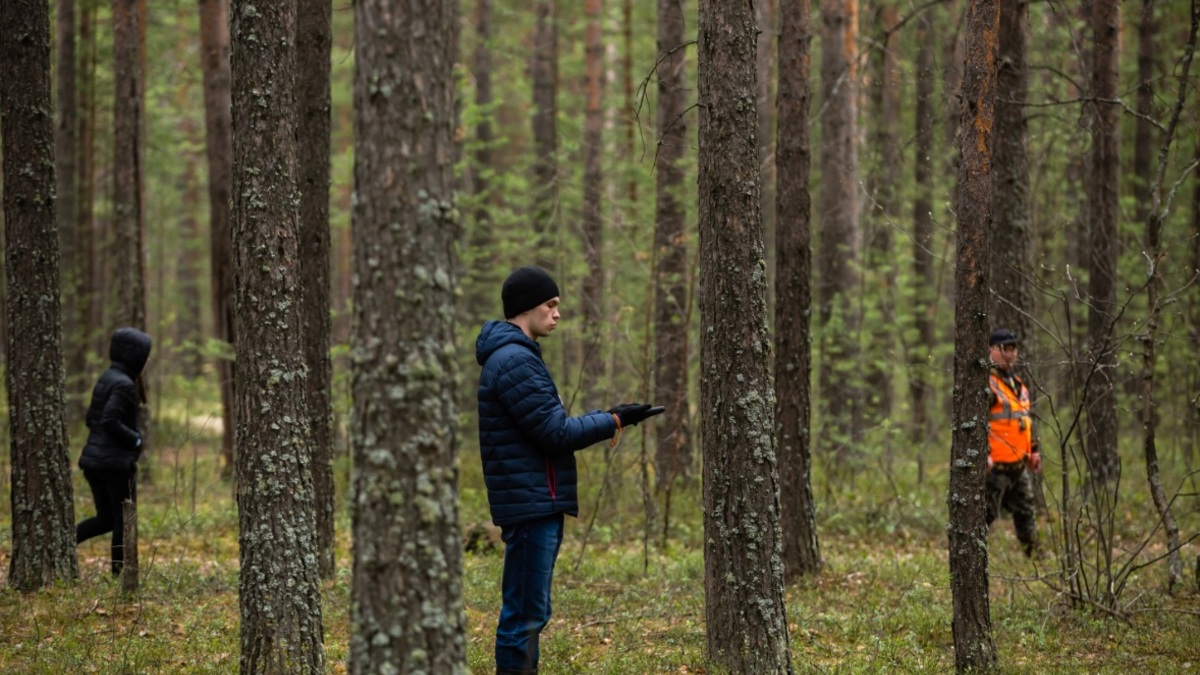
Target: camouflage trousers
(1010,488)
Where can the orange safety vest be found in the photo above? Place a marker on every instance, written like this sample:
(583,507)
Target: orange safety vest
(1010,426)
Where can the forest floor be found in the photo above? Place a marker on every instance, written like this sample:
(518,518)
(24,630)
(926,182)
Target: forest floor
(881,602)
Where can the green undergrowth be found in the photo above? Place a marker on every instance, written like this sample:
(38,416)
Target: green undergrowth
(881,602)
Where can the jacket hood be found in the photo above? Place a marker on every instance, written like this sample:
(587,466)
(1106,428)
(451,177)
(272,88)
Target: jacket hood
(130,348)
(497,334)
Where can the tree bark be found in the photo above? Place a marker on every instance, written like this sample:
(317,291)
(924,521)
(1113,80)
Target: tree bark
(1155,215)
(130,573)
(214,47)
(968,530)
(128,111)
(923,282)
(314,40)
(793,295)
(1104,112)
(1143,138)
(188,331)
(544,73)
(743,551)
(672,433)
(879,274)
(840,234)
(407,609)
(278,589)
(593,190)
(1011,301)
(86,224)
(43,513)
(66,148)
(766,14)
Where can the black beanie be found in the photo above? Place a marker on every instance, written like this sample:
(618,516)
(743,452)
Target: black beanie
(525,289)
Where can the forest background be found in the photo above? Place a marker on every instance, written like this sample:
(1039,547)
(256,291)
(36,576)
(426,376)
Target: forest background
(629,597)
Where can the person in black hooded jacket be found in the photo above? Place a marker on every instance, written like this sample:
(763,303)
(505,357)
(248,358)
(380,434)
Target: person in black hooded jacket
(114,444)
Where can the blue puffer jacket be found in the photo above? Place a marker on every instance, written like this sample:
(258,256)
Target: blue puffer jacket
(526,440)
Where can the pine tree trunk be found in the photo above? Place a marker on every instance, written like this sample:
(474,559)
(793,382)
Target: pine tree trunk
(314,40)
(544,71)
(840,235)
(188,330)
(279,589)
(66,147)
(407,609)
(743,551)
(1104,111)
(214,47)
(671,310)
(767,17)
(593,232)
(43,514)
(1011,302)
(1155,215)
(128,110)
(923,281)
(879,274)
(86,228)
(129,260)
(974,649)
(793,295)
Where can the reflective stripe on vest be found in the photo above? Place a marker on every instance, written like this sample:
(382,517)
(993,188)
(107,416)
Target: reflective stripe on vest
(1010,428)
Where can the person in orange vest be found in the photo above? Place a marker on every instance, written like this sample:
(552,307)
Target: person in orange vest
(1013,448)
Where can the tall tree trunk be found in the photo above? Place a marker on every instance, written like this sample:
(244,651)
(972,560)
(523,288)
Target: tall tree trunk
(1011,301)
(43,514)
(671,259)
(128,109)
(627,77)
(405,228)
(793,295)
(188,330)
(279,591)
(481,267)
(923,281)
(840,238)
(1155,215)
(1143,139)
(129,258)
(544,71)
(952,75)
(66,148)
(314,40)
(879,274)
(743,551)
(1104,111)
(86,224)
(214,47)
(593,190)
(968,530)
(766,15)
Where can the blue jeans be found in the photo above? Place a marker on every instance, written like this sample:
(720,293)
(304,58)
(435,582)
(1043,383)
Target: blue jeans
(529,554)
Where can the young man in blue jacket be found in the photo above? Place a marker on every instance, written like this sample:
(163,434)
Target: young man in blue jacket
(527,443)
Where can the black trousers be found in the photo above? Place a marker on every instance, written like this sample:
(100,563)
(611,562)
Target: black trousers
(109,491)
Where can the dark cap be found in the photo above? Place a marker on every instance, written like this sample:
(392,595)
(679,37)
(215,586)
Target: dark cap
(525,289)
(1002,336)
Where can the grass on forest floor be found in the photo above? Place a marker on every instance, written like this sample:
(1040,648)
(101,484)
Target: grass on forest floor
(881,604)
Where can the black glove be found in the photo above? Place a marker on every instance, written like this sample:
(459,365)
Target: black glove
(632,413)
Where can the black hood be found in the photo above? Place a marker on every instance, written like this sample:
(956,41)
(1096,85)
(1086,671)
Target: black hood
(130,348)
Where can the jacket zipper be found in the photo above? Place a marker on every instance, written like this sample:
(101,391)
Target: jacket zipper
(551,480)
